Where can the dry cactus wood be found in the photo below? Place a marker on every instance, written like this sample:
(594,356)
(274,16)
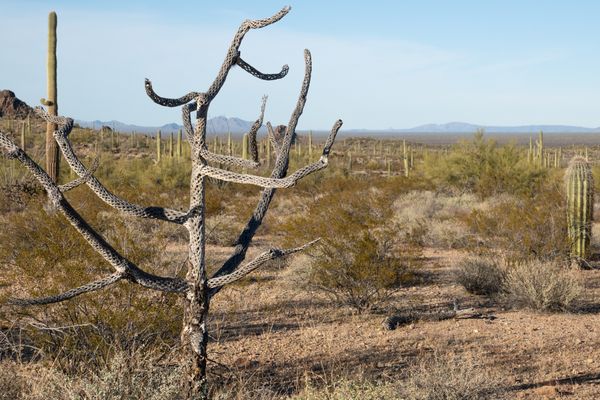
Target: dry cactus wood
(197,288)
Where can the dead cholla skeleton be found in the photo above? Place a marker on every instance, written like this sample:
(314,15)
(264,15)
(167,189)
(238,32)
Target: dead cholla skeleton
(197,288)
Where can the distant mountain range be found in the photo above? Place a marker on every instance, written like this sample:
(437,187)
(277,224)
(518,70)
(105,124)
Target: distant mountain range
(12,107)
(464,127)
(238,126)
(219,124)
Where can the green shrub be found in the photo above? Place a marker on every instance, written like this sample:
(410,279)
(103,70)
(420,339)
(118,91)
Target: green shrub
(360,259)
(41,254)
(482,167)
(524,227)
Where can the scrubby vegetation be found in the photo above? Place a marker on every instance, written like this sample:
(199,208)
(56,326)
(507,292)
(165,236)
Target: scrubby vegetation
(479,222)
(482,276)
(542,286)
(361,260)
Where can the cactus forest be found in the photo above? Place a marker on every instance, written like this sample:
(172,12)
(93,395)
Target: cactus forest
(272,253)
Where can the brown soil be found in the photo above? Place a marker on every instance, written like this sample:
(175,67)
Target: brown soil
(269,329)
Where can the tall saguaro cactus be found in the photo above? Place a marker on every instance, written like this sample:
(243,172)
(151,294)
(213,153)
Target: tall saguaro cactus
(158,146)
(198,288)
(179,144)
(52,154)
(245,146)
(405,159)
(580,207)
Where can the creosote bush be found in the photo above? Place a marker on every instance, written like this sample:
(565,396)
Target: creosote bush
(480,275)
(485,168)
(361,259)
(38,257)
(542,286)
(524,227)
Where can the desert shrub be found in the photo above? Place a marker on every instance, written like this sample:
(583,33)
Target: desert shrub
(482,167)
(360,259)
(11,383)
(350,389)
(432,219)
(542,286)
(17,186)
(524,227)
(125,377)
(41,254)
(480,275)
(450,377)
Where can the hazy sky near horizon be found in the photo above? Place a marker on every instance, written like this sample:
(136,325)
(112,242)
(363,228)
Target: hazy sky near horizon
(376,64)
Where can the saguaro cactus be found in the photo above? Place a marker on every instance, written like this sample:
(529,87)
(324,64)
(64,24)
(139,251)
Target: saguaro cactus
(179,144)
(198,288)
(540,149)
(23,135)
(158,146)
(405,158)
(245,146)
(310,145)
(52,155)
(580,207)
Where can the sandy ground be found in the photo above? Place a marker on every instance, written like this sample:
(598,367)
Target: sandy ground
(269,329)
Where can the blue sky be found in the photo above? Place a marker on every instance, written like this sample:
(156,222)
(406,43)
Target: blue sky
(377,64)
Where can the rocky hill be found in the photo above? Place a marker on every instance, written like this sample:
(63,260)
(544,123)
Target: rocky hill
(12,107)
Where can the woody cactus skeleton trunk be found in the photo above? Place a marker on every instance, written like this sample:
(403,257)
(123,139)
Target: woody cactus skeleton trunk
(197,288)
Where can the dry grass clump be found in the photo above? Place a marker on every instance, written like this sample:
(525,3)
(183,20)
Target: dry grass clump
(125,377)
(542,286)
(11,384)
(537,285)
(450,377)
(348,389)
(479,275)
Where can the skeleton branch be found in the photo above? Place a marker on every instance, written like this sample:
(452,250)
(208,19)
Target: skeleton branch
(81,180)
(197,289)
(65,126)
